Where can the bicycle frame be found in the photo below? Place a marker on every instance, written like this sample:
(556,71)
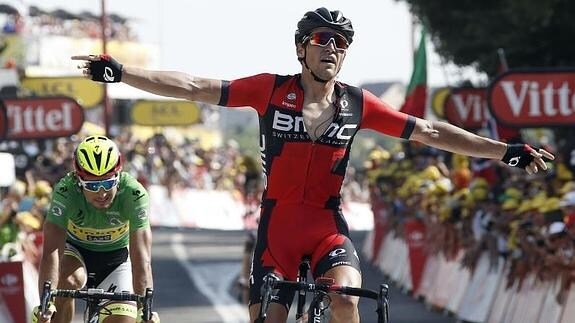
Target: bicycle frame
(304,268)
(93,297)
(320,290)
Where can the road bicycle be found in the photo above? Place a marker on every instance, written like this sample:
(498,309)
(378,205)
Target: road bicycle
(94,297)
(320,289)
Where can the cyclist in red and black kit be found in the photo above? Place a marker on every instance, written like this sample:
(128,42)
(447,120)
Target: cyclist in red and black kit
(307,124)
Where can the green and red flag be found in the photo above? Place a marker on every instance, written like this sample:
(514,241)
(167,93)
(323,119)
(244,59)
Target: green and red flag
(416,95)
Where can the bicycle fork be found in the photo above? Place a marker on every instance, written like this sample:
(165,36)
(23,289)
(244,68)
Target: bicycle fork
(316,309)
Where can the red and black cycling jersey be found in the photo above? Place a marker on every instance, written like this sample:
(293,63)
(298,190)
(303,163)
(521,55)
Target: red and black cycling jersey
(297,168)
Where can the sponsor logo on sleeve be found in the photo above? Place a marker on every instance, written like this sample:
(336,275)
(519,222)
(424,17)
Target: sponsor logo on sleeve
(56,210)
(142,214)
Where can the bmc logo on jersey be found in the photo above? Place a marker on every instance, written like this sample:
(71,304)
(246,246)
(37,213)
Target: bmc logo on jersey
(294,124)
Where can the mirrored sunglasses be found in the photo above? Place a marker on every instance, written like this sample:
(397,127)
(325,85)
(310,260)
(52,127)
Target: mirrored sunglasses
(322,38)
(94,186)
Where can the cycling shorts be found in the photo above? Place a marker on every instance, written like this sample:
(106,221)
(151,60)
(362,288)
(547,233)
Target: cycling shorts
(290,232)
(112,272)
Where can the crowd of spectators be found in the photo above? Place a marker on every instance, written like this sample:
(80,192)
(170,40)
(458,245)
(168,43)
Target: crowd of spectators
(473,208)
(39,22)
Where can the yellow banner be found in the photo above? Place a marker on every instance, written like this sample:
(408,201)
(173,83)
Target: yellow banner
(165,113)
(13,52)
(88,93)
(438,101)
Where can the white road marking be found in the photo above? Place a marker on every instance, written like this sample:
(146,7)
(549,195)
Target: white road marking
(230,310)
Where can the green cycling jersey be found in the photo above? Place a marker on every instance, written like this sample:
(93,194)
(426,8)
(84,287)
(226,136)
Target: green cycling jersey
(99,229)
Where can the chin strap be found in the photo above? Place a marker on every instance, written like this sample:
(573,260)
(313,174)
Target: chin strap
(315,77)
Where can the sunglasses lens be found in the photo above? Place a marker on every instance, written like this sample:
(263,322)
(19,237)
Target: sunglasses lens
(322,39)
(94,186)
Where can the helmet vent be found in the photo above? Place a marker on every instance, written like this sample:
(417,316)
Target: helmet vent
(87,159)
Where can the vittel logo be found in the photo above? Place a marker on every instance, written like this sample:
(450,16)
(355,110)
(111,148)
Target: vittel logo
(534,98)
(471,107)
(537,99)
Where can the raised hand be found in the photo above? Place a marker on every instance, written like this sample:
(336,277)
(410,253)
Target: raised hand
(526,157)
(100,68)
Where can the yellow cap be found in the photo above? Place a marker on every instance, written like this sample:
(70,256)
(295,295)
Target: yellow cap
(563,173)
(479,193)
(567,187)
(431,173)
(510,204)
(459,161)
(524,206)
(479,182)
(549,204)
(513,193)
(42,188)
(28,219)
(379,154)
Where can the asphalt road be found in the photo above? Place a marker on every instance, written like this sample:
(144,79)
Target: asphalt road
(195,271)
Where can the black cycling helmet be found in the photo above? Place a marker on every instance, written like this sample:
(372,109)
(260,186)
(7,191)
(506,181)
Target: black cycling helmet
(322,17)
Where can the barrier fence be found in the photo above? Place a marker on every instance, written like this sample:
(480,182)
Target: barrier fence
(484,294)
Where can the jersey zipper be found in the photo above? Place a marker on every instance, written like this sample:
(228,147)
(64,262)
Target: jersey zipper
(308,171)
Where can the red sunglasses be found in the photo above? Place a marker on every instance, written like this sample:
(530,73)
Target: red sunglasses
(322,38)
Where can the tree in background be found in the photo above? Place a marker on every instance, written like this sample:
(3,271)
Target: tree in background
(534,33)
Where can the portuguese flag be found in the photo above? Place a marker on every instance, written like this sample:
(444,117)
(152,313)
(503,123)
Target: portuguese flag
(417,90)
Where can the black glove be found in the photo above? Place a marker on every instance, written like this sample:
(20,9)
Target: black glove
(106,70)
(518,155)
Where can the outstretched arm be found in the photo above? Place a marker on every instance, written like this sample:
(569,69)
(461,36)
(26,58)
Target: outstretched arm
(165,83)
(457,140)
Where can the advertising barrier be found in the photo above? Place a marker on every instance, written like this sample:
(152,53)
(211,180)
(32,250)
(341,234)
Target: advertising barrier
(222,210)
(481,295)
(12,291)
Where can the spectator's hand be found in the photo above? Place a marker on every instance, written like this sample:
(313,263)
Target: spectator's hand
(526,157)
(100,68)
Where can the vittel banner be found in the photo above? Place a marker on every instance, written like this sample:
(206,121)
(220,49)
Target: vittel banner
(466,107)
(39,118)
(534,98)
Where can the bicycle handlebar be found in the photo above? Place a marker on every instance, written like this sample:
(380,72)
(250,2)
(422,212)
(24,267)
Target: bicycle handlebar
(339,289)
(272,282)
(97,294)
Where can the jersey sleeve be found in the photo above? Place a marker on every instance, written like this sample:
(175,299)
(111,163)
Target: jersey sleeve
(61,204)
(379,116)
(253,91)
(137,205)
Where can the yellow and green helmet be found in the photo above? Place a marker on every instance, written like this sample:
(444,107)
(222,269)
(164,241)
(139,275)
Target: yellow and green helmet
(97,156)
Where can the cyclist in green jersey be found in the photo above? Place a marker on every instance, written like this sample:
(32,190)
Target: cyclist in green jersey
(97,224)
